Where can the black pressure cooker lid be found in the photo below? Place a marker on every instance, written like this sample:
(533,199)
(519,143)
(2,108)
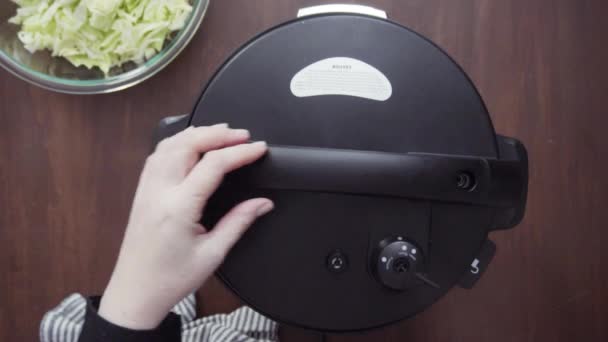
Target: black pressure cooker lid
(347,100)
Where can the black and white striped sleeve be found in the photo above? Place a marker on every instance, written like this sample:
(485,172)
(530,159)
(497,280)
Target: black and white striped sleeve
(76,319)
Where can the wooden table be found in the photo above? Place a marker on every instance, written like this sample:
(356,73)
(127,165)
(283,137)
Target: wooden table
(69,166)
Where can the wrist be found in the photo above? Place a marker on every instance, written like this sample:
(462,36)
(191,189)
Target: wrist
(131,308)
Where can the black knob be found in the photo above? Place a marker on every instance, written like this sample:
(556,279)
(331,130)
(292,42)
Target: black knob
(397,263)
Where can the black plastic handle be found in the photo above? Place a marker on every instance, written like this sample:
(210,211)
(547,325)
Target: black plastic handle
(447,178)
(500,183)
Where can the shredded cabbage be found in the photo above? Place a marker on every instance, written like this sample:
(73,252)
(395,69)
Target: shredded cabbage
(99,33)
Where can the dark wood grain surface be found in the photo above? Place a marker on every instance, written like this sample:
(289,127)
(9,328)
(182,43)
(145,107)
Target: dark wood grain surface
(69,166)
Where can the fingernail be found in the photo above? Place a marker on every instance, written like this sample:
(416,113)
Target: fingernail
(241,133)
(221,125)
(264,208)
(260,143)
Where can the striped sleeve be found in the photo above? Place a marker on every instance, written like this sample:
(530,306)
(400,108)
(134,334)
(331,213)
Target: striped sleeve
(65,323)
(243,325)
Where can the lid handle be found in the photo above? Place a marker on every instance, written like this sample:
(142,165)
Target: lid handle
(447,178)
(342,8)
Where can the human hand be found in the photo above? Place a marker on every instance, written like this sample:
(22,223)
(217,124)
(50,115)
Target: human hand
(166,253)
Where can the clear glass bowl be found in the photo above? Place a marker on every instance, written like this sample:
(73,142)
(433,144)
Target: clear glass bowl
(57,74)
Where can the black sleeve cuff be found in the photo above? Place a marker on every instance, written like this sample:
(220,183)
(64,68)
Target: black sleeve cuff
(97,329)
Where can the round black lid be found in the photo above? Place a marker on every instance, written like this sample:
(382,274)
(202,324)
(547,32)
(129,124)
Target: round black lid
(349,82)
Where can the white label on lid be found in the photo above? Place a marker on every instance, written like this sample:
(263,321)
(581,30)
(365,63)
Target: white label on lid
(342,76)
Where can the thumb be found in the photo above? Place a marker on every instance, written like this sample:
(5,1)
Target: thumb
(234,224)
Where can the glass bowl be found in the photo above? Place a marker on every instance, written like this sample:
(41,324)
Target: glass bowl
(57,74)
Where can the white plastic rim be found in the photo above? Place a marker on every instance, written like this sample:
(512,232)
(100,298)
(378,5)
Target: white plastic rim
(342,8)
